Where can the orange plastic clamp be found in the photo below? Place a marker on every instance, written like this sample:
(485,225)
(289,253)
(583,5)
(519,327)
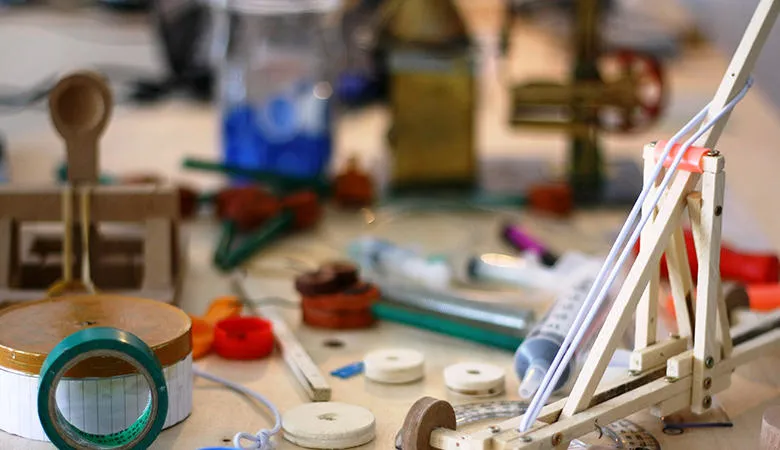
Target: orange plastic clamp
(691,162)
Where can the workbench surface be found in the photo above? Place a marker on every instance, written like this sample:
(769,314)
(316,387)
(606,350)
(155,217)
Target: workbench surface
(157,137)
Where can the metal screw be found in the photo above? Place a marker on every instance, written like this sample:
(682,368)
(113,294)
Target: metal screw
(526,439)
(709,362)
(713,153)
(494,429)
(707,383)
(718,210)
(556,439)
(706,402)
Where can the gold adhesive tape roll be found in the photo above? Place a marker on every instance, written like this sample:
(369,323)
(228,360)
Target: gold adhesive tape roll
(100,396)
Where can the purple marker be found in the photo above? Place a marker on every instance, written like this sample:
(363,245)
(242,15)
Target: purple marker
(520,240)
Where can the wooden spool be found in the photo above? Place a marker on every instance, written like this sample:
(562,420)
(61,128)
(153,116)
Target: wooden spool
(770,429)
(30,330)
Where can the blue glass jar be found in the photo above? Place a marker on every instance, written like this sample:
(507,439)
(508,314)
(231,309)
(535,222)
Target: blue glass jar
(278,61)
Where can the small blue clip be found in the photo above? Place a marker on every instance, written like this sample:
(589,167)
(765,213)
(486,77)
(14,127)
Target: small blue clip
(348,371)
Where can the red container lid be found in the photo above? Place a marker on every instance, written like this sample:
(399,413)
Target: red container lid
(243,338)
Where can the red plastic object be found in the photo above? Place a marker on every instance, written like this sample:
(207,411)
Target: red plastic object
(243,338)
(690,162)
(748,268)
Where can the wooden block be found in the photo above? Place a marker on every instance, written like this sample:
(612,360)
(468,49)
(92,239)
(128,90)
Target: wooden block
(770,429)
(683,401)
(107,203)
(657,354)
(158,255)
(681,365)
(8,251)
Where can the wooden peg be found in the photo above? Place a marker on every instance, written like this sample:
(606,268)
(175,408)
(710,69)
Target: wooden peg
(770,429)
(80,106)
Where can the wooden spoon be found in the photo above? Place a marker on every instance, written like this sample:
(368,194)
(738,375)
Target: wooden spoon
(80,106)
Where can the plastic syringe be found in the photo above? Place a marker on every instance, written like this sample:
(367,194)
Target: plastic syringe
(527,270)
(390,260)
(535,355)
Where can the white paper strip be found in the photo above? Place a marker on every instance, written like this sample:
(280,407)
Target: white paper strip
(94,405)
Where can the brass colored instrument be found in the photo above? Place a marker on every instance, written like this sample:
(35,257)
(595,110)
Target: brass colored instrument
(620,92)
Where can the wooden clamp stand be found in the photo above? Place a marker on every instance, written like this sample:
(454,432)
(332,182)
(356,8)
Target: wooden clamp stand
(665,376)
(142,261)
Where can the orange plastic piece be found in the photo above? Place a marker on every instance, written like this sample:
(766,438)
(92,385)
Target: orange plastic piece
(222,308)
(353,188)
(251,213)
(202,337)
(307,209)
(691,162)
(764,297)
(551,198)
(203,327)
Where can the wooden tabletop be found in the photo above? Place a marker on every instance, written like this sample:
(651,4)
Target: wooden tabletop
(157,138)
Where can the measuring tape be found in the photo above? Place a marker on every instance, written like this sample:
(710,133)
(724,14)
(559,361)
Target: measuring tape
(102,342)
(625,434)
(99,396)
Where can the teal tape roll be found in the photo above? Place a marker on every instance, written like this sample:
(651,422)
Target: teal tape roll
(102,342)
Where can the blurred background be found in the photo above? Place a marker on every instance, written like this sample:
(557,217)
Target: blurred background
(487,151)
(491,103)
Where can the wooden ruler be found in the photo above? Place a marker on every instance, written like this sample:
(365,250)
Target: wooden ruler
(295,356)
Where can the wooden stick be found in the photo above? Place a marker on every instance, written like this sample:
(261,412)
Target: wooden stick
(681,283)
(647,310)
(706,231)
(657,354)
(741,66)
(694,209)
(625,303)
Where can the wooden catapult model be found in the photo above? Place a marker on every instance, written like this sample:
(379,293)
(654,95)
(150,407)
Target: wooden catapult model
(144,261)
(665,375)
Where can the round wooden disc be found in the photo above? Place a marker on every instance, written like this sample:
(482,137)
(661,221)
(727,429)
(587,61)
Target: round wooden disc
(770,429)
(424,416)
(29,331)
(329,425)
